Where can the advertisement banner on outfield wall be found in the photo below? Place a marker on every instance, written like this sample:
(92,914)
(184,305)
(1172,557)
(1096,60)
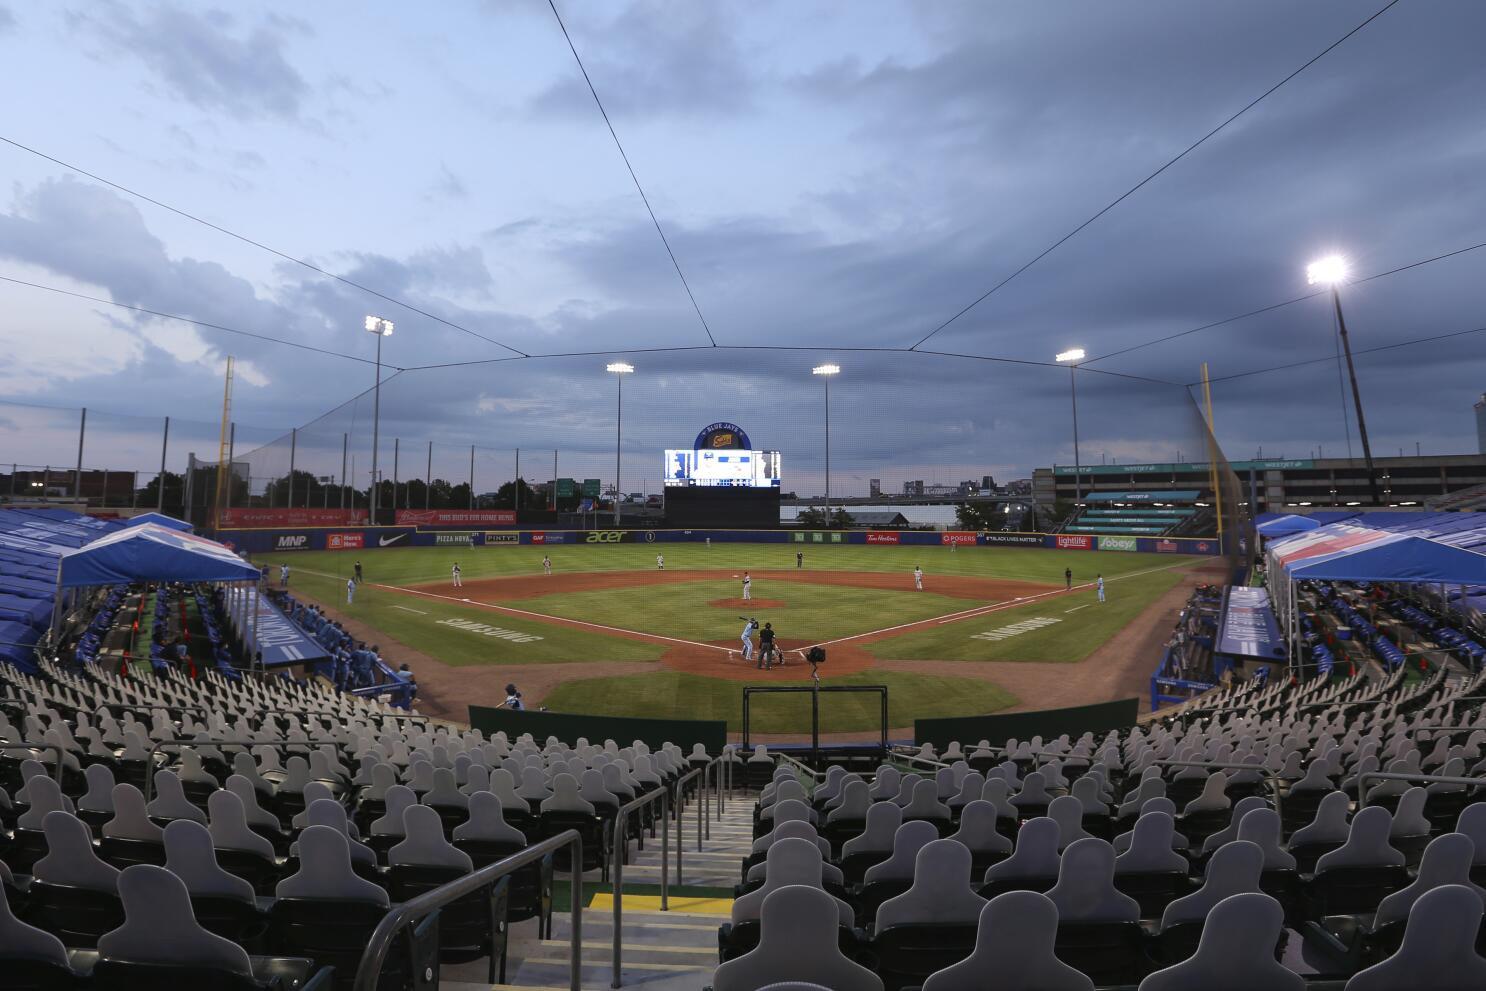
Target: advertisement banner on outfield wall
(1075,542)
(461,539)
(996,538)
(456,517)
(883,536)
(1117,543)
(550,537)
(292,542)
(282,518)
(498,537)
(353,540)
(962,538)
(608,536)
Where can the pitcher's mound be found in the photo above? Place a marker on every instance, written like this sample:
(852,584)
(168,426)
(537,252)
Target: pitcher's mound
(747,604)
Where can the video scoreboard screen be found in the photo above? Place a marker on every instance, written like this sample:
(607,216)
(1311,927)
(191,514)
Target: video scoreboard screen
(723,468)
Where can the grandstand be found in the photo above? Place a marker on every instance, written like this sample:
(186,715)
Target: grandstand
(1180,512)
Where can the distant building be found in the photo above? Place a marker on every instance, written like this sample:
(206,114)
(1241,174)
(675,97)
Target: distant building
(1481,424)
(874,487)
(987,482)
(914,488)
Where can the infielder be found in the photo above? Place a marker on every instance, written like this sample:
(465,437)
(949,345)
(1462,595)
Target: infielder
(546,565)
(283,576)
(747,587)
(350,590)
(1100,585)
(918,578)
(457,582)
(749,626)
(660,562)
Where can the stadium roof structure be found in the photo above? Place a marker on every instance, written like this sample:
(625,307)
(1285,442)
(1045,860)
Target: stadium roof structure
(150,552)
(1349,552)
(878,518)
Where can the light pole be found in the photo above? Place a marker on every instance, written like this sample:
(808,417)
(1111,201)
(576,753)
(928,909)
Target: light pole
(1072,357)
(619,369)
(1331,271)
(825,372)
(382,328)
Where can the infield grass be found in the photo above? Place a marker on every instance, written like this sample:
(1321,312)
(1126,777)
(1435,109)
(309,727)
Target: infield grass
(1081,625)
(675,695)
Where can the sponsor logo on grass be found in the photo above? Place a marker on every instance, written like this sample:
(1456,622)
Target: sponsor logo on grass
(1117,543)
(486,630)
(956,537)
(502,537)
(1011,539)
(452,538)
(881,537)
(604,537)
(1025,626)
(345,541)
(384,540)
(1075,542)
(292,542)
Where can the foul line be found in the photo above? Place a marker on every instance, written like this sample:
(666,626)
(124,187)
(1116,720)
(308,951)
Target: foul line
(964,614)
(420,612)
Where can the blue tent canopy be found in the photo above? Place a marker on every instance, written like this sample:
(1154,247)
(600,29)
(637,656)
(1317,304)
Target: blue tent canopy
(1284,526)
(150,552)
(1347,552)
(166,521)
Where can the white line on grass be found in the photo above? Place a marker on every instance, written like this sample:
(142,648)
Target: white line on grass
(420,612)
(1077,608)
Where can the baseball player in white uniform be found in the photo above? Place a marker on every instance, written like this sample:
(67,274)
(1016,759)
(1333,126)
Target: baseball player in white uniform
(748,628)
(918,578)
(1100,585)
(350,590)
(660,562)
(546,565)
(457,582)
(747,587)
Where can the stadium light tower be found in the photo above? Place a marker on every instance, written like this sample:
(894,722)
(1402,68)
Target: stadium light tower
(382,328)
(1331,272)
(825,372)
(619,369)
(1072,357)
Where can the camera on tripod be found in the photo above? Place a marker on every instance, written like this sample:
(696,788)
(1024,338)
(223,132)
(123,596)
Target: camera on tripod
(816,656)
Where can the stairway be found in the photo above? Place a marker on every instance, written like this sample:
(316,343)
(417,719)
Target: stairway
(675,950)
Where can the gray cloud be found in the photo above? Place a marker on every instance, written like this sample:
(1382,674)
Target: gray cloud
(206,57)
(7,20)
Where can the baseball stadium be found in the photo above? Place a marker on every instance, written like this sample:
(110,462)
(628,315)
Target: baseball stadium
(757,498)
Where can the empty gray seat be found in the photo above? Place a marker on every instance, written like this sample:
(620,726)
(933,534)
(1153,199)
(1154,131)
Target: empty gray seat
(228,827)
(1262,827)
(1438,951)
(170,800)
(70,859)
(1035,854)
(1236,952)
(424,844)
(1234,869)
(910,838)
(1447,860)
(1150,849)
(487,822)
(789,862)
(940,893)
(190,857)
(883,820)
(797,943)
(18,941)
(160,928)
(325,871)
(1013,948)
(977,830)
(1366,845)
(1085,891)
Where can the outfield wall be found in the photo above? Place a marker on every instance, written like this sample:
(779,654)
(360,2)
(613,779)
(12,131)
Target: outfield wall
(365,538)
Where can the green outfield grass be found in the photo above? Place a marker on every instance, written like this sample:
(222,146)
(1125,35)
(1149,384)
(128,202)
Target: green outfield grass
(1082,626)
(414,620)
(675,695)
(417,565)
(810,612)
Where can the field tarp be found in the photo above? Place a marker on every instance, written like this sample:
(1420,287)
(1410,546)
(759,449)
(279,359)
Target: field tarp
(711,734)
(1099,718)
(169,522)
(1347,552)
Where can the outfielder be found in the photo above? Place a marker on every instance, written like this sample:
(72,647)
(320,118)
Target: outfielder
(546,565)
(455,573)
(1100,585)
(660,562)
(918,577)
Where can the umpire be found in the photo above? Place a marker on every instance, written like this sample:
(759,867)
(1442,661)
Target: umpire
(766,647)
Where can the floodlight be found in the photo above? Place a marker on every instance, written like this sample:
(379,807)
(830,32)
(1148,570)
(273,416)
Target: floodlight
(1328,271)
(619,367)
(377,325)
(826,370)
(1072,354)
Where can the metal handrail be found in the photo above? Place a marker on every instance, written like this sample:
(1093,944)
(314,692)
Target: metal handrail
(681,808)
(149,778)
(1447,779)
(375,955)
(621,823)
(814,775)
(23,745)
(915,758)
(1274,779)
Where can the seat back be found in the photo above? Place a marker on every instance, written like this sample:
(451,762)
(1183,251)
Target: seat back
(424,844)
(160,927)
(1236,952)
(1438,951)
(325,872)
(487,822)
(1085,891)
(1234,869)
(797,942)
(909,839)
(1035,854)
(1447,860)
(70,860)
(190,857)
(940,893)
(1014,942)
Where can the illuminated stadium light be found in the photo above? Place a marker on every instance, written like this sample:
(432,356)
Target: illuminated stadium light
(619,367)
(1072,357)
(382,328)
(1328,271)
(826,370)
(378,325)
(1072,354)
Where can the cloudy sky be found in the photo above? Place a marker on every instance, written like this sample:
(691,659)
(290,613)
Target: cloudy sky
(834,176)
